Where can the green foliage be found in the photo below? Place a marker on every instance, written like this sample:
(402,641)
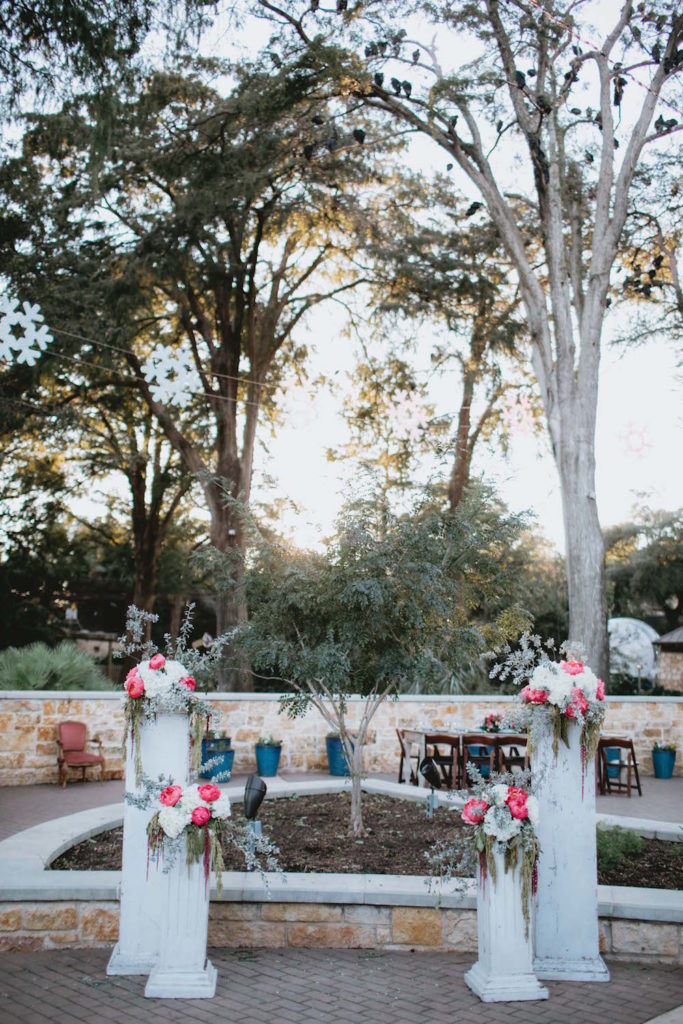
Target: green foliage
(645,565)
(39,667)
(397,601)
(614,845)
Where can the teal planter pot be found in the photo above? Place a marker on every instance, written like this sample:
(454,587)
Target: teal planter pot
(267,759)
(217,748)
(663,762)
(336,758)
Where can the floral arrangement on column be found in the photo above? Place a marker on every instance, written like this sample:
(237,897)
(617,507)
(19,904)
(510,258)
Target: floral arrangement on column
(162,685)
(571,692)
(198,813)
(504,817)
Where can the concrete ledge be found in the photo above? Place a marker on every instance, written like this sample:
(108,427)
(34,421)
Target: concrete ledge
(667,831)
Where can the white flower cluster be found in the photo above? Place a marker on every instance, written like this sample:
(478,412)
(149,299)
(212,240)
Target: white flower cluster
(34,337)
(160,681)
(558,683)
(174,819)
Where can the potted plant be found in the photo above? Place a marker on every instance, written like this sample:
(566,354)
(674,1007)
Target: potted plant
(664,759)
(336,758)
(268,752)
(217,748)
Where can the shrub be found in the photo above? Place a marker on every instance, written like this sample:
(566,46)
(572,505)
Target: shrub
(614,844)
(39,667)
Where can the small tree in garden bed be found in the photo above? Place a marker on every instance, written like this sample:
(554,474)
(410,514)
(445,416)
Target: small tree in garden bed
(391,605)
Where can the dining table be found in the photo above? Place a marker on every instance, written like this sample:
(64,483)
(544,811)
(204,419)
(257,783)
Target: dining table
(425,739)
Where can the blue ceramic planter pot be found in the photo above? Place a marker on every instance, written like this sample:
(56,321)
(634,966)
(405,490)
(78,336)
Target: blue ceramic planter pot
(267,759)
(219,748)
(663,762)
(336,758)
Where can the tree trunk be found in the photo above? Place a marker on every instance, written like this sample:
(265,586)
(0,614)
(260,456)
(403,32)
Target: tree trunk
(227,537)
(356,827)
(460,474)
(585,551)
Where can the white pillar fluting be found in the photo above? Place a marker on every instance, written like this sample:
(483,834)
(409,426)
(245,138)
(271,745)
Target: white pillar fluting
(182,970)
(504,969)
(566,935)
(165,750)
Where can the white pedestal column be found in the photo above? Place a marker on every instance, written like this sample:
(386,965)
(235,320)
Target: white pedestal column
(165,749)
(504,970)
(566,940)
(182,970)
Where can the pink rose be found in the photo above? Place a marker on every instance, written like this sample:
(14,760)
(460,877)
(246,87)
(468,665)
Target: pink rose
(209,792)
(572,668)
(188,681)
(200,816)
(135,686)
(158,661)
(474,810)
(600,692)
(534,696)
(171,795)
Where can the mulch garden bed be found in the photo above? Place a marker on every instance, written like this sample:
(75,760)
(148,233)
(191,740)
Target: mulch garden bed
(312,834)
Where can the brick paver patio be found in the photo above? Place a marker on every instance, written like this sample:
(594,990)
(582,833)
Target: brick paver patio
(308,986)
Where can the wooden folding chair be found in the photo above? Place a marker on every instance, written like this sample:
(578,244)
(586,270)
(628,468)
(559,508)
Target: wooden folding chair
(406,772)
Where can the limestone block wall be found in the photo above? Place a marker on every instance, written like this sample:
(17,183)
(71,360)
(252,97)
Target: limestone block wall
(670,670)
(28,728)
(32,925)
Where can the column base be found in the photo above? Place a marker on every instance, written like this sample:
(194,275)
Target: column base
(169,984)
(504,988)
(130,963)
(557,968)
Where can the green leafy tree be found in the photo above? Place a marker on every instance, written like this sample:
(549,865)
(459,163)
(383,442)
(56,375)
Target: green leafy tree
(512,116)
(212,228)
(645,566)
(395,603)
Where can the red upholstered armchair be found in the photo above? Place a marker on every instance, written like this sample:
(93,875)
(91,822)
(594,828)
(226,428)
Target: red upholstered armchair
(72,742)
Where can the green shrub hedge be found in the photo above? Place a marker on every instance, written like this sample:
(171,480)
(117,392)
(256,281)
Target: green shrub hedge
(39,667)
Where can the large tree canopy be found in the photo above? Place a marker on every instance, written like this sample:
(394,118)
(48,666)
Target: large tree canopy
(548,116)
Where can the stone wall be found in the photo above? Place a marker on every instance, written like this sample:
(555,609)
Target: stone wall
(670,670)
(28,727)
(78,923)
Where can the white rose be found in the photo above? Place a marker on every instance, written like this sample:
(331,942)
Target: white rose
(588,682)
(192,799)
(500,824)
(172,821)
(158,681)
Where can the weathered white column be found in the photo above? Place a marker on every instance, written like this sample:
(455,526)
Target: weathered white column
(165,749)
(504,970)
(182,970)
(566,935)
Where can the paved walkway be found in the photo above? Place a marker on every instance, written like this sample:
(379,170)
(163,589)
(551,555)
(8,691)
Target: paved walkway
(309,986)
(24,806)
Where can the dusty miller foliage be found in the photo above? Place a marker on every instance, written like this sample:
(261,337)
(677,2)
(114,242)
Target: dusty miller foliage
(518,665)
(203,666)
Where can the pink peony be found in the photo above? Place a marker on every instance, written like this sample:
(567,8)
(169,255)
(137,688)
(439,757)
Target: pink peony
(188,681)
(474,810)
(534,696)
(579,699)
(515,793)
(600,692)
(209,792)
(171,795)
(200,816)
(133,673)
(158,661)
(135,686)
(572,668)
(518,808)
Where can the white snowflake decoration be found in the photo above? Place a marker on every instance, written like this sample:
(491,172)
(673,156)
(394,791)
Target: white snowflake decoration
(172,378)
(408,420)
(27,347)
